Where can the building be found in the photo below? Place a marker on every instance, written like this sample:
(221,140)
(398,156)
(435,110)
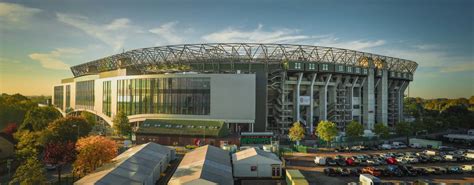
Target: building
(142,164)
(254,162)
(294,177)
(250,87)
(204,165)
(7,145)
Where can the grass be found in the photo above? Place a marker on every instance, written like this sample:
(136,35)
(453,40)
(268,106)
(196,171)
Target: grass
(184,127)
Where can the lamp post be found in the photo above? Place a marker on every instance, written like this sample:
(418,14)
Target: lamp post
(77,130)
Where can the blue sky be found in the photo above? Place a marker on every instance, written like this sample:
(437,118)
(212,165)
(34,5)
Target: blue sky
(40,40)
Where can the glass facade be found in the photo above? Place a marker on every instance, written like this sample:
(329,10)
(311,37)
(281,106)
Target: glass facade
(106,98)
(68,96)
(180,95)
(58,96)
(85,95)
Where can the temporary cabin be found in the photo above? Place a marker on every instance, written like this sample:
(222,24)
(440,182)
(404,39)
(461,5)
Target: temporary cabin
(204,165)
(141,164)
(254,162)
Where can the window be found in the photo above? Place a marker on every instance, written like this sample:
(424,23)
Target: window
(356,107)
(58,96)
(340,68)
(276,170)
(365,71)
(325,67)
(357,70)
(297,65)
(253,168)
(349,69)
(106,98)
(311,66)
(85,94)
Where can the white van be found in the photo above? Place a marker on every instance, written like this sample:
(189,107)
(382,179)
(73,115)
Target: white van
(320,160)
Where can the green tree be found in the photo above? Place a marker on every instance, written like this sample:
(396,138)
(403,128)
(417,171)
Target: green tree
(29,144)
(403,129)
(354,129)
(121,124)
(13,109)
(38,118)
(381,130)
(326,130)
(296,132)
(90,118)
(29,172)
(67,129)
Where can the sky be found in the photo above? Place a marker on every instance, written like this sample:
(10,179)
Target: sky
(41,40)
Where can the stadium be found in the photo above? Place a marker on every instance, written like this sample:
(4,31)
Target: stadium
(245,87)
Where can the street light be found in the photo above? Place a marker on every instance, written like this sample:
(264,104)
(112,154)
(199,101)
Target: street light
(77,130)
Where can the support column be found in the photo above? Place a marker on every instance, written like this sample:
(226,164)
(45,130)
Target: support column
(382,99)
(361,103)
(323,99)
(400,97)
(297,102)
(311,103)
(351,94)
(369,100)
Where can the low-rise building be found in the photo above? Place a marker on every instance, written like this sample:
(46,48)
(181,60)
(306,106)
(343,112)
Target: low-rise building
(7,145)
(204,165)
(254,162)
(141,164)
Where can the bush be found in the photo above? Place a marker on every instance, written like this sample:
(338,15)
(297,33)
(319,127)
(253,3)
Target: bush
(301,149)
(190,147)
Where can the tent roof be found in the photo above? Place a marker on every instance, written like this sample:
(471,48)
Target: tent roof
(131,167)
(208,163)
(252,152)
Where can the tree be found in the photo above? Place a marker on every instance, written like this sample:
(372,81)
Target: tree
(403,129)
(10,129)
(38,118)
(121,124)
(354,129)
(296,132)
(381,130)
(92,152)
(59,154)
(29,144)
(13,108)
(89,117)
(29,172)
(326,130)
(67,129)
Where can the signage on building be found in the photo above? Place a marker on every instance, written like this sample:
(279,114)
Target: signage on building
(304,100)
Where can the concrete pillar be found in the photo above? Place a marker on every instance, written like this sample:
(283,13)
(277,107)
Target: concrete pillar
(361,103)
(351,95)
(323,102)
(311,103)
(382,99)
(297,102)
(400,98)
(369,100)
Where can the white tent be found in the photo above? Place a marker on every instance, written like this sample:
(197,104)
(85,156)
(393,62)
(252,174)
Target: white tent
(254,162)
(204,165)
(141,164)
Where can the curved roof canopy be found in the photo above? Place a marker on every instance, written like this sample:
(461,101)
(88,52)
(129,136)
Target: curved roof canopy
(240,52)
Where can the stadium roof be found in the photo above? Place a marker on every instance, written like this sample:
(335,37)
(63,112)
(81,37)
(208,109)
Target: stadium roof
(140,59)
(205,165)
(134,166)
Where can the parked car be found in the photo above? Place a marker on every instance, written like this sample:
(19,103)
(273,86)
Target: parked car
(350,161)
(467,168)
(432,171)
(441,170)
(454,170)
(330,161)
(421,171)
(411,159)
(391,160)
(330,172)
(372,171)
(345,172)
(320,160)
(394,171)
(385,146)
(50,167)
(407,171)
(354,172)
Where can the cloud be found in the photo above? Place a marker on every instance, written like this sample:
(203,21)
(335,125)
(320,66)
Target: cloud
(9,60)
(52,60)
(257,35)
(113,34)
(461,67)
(332,41)
(16,13)
(169,33)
